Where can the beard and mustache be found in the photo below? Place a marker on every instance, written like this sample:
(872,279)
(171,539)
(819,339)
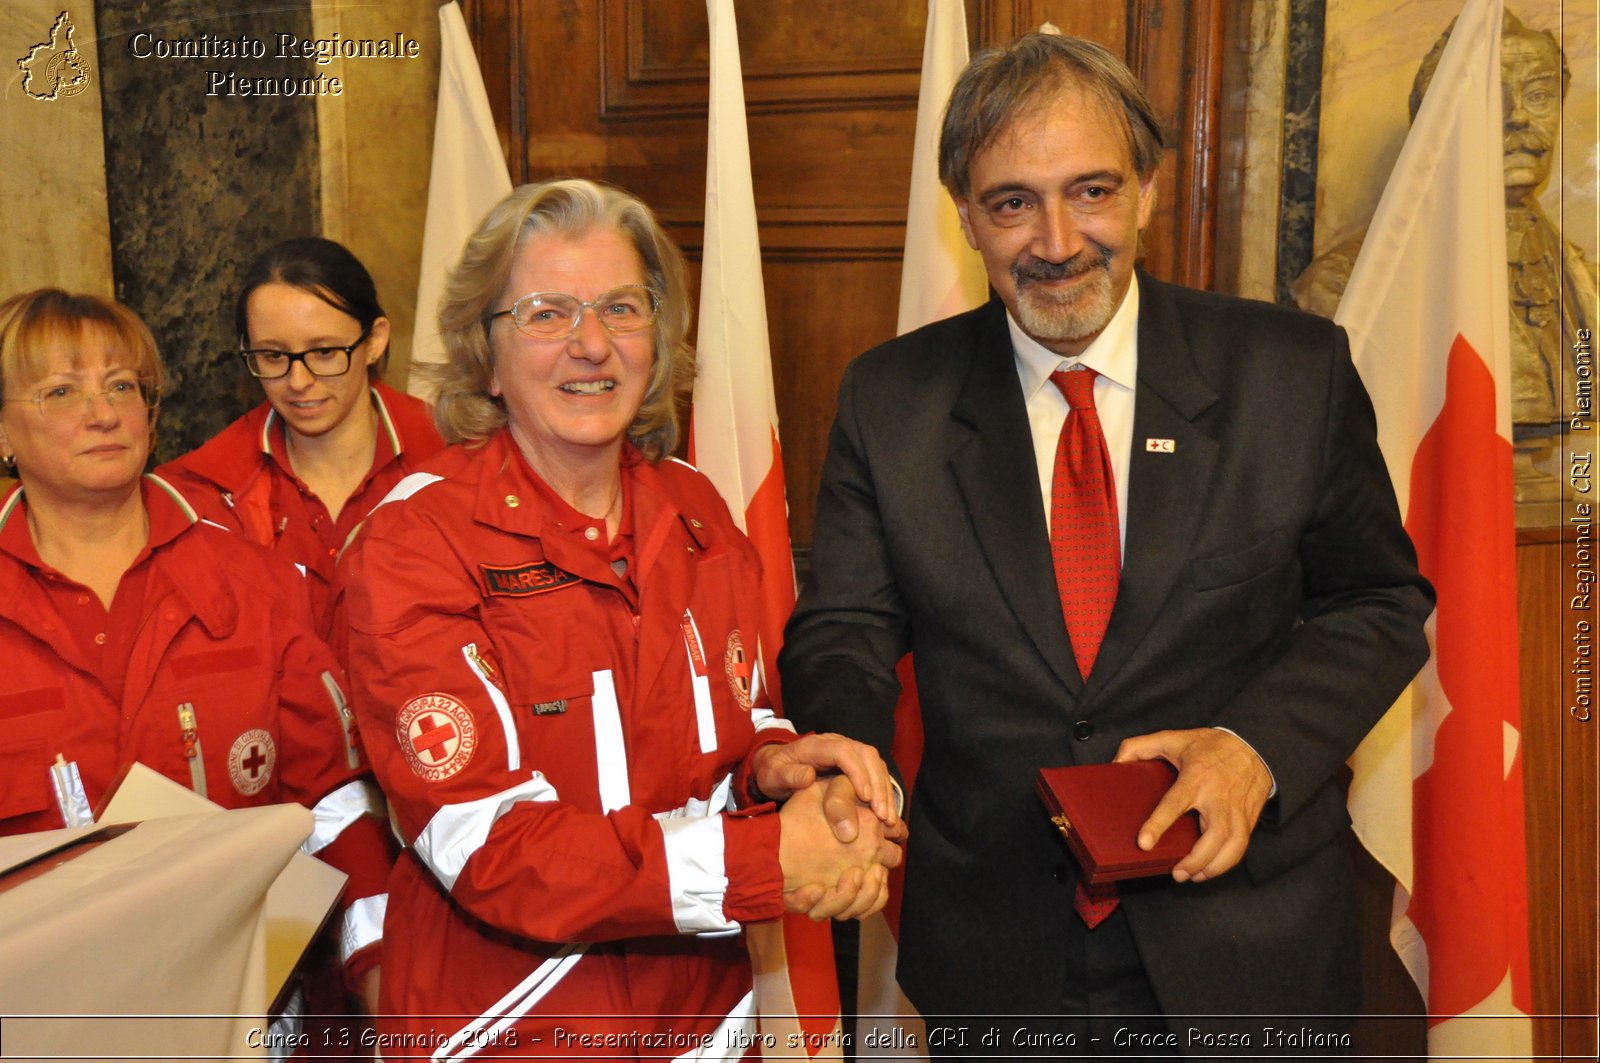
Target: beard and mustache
(1074,314)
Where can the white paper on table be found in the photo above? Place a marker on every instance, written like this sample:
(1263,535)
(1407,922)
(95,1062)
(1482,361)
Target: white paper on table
(297,904)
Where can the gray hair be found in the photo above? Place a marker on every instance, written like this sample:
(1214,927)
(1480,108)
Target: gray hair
(1000,82)
(464,409)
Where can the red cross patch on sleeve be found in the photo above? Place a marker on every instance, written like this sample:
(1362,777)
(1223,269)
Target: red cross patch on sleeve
(436,735)
(738,666)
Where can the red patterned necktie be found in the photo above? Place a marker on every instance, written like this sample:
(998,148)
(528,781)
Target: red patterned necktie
(1083,520)
(1085,553)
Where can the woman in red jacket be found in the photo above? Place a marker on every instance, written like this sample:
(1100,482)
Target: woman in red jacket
(131,630)
(299,472)
(552,642)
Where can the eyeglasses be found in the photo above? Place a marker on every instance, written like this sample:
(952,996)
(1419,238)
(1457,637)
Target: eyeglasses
(556,315)
(267,364)
(66,402)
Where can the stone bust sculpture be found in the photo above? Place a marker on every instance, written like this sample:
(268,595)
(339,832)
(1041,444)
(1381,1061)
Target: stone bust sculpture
(1552,286)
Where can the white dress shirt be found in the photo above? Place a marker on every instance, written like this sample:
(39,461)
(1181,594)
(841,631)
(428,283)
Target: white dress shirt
(1114,354)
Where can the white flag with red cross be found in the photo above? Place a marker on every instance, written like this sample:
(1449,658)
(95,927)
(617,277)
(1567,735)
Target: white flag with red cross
(1437,795)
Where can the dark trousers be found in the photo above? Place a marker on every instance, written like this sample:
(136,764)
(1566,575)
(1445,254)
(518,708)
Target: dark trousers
(1108,1009)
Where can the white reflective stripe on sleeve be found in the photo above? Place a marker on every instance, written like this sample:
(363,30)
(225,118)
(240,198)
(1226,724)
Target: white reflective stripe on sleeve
(362,925)
(502,709)
(457,831)
(356,798)
(705,716)
(762,718)
(487,1028)
(408,486)
(611,756)
(696,873)
(734,1036)
(720,801)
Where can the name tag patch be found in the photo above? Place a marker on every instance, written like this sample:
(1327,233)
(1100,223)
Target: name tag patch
(519,581)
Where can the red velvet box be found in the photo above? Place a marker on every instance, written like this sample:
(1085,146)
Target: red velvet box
(1099,809)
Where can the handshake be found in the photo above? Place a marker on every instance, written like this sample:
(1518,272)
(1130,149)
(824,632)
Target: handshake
(840,829)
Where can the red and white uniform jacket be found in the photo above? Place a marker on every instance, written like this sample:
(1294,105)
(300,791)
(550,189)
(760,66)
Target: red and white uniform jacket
(216,680)
(562,726)
(242,479)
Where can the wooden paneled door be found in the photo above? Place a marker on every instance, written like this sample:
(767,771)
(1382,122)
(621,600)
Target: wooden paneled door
(616,89)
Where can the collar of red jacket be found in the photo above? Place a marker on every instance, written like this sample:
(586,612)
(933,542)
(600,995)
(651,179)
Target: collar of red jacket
(510,498)
(171,517)
(224,459)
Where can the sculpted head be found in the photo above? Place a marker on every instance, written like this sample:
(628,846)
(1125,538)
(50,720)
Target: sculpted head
(1534,78)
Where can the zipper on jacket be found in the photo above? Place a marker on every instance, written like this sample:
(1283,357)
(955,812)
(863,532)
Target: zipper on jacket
(347,718)
(485,669)
(705,714)
(497,697)
(191,748)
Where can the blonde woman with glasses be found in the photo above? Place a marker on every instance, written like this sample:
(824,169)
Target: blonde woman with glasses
(132,630)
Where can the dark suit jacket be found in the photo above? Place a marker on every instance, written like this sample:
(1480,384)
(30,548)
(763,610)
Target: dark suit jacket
(1268,587)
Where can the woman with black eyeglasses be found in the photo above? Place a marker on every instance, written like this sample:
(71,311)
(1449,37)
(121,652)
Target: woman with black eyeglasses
(131,630)
(301,471)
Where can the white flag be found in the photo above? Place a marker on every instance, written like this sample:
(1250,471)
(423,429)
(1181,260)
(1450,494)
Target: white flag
(940,275)
(734,441)
(734,432)
(1437,792)
(469,176)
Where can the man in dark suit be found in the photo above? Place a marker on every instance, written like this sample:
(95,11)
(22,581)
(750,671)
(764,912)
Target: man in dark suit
(1263,607)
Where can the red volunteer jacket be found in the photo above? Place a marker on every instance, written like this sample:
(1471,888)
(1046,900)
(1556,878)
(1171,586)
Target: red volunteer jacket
(241,479)
(228,691)
(562,755)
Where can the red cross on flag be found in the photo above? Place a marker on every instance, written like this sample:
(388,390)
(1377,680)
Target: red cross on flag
(940,276)
(734,441)
(1437,795)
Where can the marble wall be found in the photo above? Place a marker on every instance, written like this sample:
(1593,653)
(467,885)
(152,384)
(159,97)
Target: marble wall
(162,170)
(198,180)
(1371,55)
(1325,113)
(1302,121)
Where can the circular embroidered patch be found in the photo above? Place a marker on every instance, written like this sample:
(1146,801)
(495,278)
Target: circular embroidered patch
(436,735)
(250,762)
(737,664)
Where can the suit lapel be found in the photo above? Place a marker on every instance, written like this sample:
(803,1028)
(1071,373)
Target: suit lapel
(1167,488)
(992,461)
